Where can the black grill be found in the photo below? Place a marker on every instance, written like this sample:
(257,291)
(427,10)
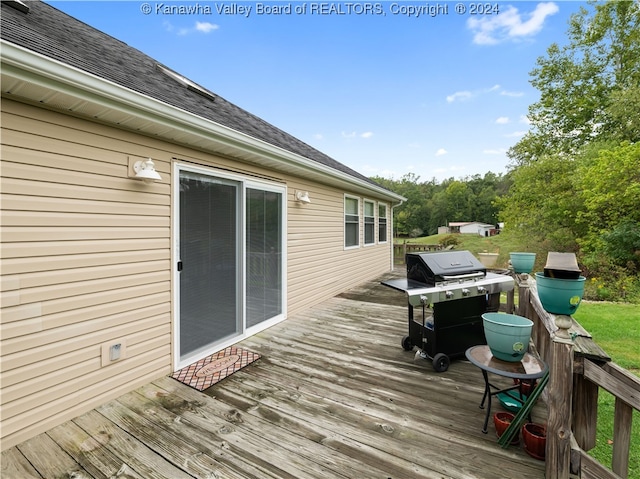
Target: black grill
(453,290)
(432,268)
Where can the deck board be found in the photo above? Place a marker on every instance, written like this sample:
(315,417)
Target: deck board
(333,395)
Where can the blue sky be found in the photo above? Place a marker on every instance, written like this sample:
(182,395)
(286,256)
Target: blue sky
(376,86)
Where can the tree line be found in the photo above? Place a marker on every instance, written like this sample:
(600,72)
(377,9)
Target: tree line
(432,204)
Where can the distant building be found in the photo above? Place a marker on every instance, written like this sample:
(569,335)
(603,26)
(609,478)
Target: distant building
(473,227)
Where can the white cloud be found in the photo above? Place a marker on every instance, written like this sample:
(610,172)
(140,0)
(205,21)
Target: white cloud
(503,120)
(441,152)
(318,136)
(510,24)
(468,94)
(206,27)
(525,119)
(202,27)
(353,134)
(459,95)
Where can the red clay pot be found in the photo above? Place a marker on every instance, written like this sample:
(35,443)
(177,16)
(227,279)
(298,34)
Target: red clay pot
(501,421)
(525,386)
(535,440)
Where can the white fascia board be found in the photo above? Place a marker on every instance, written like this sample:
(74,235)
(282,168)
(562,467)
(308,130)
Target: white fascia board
(42,70)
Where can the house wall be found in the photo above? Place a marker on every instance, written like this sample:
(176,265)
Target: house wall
(471,228)
(86,261)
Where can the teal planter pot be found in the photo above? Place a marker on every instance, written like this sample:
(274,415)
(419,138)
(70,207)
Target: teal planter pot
(522,262)
(507,335)
(559,295)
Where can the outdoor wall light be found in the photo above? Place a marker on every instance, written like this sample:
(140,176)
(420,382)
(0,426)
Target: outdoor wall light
(146,171)
(302,196)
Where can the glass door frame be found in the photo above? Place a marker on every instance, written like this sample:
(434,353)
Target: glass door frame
(245,182)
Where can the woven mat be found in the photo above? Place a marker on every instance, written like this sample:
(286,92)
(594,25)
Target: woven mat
(212,369)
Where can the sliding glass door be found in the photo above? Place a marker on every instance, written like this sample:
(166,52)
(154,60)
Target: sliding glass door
(230,254)
(264,255)
(209,257)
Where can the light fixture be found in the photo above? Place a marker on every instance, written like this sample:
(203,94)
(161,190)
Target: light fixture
(146,171)
(303,197)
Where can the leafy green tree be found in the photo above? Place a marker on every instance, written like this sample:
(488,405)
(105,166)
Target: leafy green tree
(438,210)
(589,89)
(543,204)
(412,214)
(610,191)
(622,245)
(486,190)
(431,204)
(459,201)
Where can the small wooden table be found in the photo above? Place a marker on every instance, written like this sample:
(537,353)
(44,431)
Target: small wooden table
(528,369)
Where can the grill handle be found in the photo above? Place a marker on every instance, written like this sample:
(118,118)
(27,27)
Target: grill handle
(479,274)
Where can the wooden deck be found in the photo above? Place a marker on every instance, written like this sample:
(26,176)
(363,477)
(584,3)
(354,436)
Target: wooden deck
(333,396)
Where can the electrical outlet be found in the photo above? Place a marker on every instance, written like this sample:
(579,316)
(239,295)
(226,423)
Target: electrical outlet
(113,351)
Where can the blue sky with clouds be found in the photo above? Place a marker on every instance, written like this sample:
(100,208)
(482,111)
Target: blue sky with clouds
(387,88)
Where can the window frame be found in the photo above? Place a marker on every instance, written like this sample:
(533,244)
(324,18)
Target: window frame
(369,222)
(383,219)
(349,222)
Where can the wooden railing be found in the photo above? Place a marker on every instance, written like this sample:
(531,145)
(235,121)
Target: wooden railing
(578,368)
(401,249)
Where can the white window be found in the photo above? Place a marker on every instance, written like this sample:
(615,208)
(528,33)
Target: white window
(382,223)
(351,222)
(369,222)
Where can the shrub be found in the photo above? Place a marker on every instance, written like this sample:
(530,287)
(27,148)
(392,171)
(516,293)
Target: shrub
(449,240)
(415,233)
(608,281)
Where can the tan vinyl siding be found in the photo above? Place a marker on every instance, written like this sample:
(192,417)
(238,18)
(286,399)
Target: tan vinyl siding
(319,265)
(86,260)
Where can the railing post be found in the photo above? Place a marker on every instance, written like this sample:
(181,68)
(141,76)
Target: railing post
(558,451)
(522,283)
(511,301)
(585,404)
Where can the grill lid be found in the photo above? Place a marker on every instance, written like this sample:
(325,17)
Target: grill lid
(431,268)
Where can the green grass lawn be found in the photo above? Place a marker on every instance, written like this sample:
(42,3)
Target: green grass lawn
(616,328)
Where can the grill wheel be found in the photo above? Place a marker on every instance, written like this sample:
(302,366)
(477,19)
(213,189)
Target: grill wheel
(441,362)
(407,345)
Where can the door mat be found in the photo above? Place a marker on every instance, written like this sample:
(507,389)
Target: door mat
(212,369)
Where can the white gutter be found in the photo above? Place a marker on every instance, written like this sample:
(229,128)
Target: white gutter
(47,72)
(393,207)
